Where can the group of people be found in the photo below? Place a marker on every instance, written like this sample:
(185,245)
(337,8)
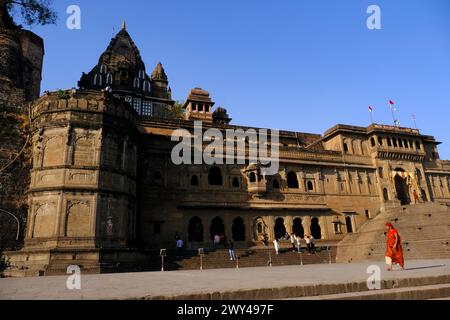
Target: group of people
(394,249)
(296,242)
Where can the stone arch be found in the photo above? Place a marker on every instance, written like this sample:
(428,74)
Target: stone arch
(215,177)
(44,221)
(349,224)
(78,220)
(316,230)
(297,228)
(53,152)
(385,194)
(238,229)
(402,189)
(292,180)
(195,230)
(217,227)
(280,228)
(194,180)
(84,152)
(259,229)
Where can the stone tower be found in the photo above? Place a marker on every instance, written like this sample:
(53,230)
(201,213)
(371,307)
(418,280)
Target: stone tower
(120,69)
(83,184)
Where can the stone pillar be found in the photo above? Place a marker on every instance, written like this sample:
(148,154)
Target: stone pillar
(288,223)
(306,222)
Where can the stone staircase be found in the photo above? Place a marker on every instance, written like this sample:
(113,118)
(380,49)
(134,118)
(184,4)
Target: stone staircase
(256,257)
(424,228)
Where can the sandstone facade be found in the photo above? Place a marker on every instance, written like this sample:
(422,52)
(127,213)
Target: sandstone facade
(104,188)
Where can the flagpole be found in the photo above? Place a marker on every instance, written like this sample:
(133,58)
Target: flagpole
(392,106)
(414,119)
(371,114)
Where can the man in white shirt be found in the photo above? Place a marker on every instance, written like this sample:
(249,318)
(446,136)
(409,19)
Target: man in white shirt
(180,244)
(276,245)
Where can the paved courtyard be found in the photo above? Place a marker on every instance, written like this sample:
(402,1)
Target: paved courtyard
(190,283)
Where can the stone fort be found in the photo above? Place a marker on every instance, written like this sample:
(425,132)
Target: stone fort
(103,189)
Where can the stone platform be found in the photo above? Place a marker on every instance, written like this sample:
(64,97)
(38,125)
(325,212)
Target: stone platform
(422,279)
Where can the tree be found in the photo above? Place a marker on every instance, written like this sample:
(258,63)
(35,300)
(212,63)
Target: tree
(30,12)
(177,110)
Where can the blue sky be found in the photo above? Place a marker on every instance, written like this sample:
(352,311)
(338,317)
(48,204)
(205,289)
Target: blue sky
(294,65)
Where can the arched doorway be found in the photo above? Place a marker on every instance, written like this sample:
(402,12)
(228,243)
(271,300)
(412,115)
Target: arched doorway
(424,196)
(280,228)
(195,230)
(297,228)
(316,231)
(217,227)
(215,177)
(292,180)
(402,190)
(238,229)
(385,194)
(349,223)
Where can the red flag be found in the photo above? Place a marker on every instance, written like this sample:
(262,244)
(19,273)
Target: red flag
(391,102)
(370,109)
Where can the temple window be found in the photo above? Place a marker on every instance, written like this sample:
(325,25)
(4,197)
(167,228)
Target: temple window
(389,142)
(252,177)
(385,194)
(380,141)
(372,142)
(292,180)
(345,147)
(194,180)
(147,109)
(381,172)
(418,145)
(146,86)
(136,83)
(235,182)
(310,186)
(137,105)
(395,143)
(215,177)
(98,80)
(103,69)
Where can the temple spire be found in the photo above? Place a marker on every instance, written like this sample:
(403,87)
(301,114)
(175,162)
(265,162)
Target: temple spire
(124,25)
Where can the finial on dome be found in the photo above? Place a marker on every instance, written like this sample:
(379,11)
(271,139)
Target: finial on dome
(124,25)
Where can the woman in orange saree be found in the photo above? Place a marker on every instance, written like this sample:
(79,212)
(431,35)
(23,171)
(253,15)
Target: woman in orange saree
(394,249)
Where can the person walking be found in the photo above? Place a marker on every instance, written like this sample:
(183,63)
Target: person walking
(179,244)
(312,242)
(293,239)
(308,243)
(416,197)
(394,249)
(231,251)
(276,246)
(298,241)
